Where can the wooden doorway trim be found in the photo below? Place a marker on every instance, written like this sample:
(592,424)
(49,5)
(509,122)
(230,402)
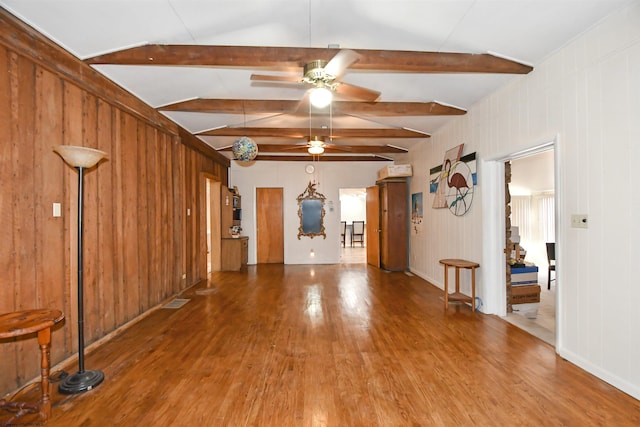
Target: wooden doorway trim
(213,242)
(373,226)
(269,225)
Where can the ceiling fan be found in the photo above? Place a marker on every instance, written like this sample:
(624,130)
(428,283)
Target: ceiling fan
(317,145)
(324,79)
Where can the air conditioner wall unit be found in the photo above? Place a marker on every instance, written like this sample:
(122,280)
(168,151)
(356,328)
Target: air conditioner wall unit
(394,171)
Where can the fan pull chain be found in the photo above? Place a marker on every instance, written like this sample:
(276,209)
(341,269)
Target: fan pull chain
(331,122)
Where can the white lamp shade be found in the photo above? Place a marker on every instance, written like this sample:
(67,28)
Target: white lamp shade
(320,97)
(316,146)
(316,150)
(79,157)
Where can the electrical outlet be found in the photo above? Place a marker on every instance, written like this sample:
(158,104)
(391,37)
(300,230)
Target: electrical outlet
(579,221)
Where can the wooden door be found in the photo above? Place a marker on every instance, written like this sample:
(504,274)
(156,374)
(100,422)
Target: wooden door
(394,225)
(270,226)
(373,226)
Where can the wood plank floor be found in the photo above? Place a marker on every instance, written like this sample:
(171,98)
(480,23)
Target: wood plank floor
(333,345)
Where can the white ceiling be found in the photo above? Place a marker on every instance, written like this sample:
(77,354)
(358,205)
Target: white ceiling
(526,31)
(532,174)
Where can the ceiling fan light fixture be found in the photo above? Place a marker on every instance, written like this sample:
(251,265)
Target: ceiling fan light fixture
(320,97)
(315,149)
(316,146)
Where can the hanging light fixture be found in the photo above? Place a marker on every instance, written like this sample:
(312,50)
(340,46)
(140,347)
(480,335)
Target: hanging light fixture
(314,73)
(316,146)
(320,96)
(244,148)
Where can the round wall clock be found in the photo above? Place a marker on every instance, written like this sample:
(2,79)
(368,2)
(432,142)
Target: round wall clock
(309,169)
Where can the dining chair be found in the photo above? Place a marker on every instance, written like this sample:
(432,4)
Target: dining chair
(357,232)
(551,260)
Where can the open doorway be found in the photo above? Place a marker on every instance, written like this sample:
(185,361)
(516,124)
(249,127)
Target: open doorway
(532,202)
(211,223)
(353,208)
(208,216)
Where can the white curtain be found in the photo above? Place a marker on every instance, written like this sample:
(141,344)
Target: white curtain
(535,217)
(521,216)
(547,216)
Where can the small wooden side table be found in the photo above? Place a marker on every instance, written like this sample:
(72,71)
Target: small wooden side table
(457,296)
(24,323)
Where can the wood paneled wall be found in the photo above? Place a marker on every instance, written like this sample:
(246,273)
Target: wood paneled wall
(138,238)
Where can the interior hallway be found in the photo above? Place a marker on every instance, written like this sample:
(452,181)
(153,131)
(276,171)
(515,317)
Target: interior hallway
(355,255)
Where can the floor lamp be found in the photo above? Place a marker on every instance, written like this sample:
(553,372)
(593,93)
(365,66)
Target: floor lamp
(80,158)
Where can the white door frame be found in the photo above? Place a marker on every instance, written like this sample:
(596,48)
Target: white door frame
(493,222)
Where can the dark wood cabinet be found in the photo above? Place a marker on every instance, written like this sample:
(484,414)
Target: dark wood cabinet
(394,225)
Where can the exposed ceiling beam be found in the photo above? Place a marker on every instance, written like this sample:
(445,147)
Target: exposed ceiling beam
(322,158)
(338,149)
(295,57)
(274,106)
(335,133)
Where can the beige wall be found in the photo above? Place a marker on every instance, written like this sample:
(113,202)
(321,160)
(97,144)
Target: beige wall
(586,97)
(291,176)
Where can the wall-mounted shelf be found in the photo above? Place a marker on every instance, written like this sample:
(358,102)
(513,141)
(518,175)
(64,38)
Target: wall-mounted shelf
(237,210)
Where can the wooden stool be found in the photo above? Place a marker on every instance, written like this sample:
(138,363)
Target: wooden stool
(24,323)
(457,296)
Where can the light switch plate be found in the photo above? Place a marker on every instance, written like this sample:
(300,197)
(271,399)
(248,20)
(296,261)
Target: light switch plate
(579,221)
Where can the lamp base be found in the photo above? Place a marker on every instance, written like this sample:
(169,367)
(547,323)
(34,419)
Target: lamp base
(81,382)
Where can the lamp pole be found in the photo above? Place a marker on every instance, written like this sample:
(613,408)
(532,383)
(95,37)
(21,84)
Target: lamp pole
(80,158)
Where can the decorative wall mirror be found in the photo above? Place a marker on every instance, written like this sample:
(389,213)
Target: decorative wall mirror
(311,213)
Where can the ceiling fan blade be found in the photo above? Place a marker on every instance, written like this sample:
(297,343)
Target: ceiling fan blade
(330,146)
(327,146)
(339,63)
(266,78)
(356,92)
(296,147)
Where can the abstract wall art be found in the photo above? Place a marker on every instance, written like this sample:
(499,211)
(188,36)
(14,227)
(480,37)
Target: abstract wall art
(416,211)
(453,182)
